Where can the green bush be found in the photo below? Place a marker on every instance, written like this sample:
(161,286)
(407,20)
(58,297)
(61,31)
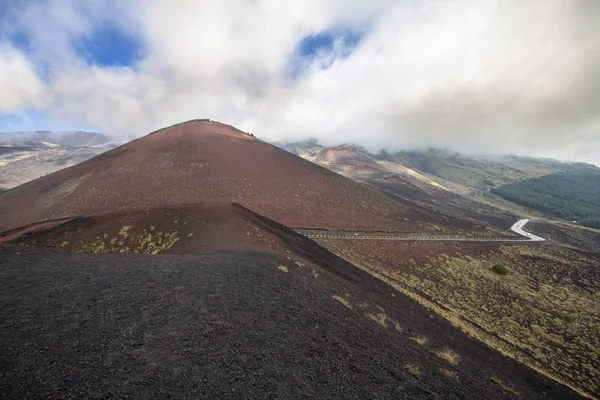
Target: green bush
(500,269)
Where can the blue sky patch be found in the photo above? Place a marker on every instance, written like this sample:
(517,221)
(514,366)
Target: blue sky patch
(110,47)
(321,45)
(19,40)
(26,120)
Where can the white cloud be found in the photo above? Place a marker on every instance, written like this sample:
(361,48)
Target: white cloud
(19,84)
(476,75)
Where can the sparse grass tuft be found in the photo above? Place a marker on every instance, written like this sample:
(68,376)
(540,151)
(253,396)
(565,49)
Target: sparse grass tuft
(413,369)
(64,244)
(449,355)
(503,386)
(422,340)
(380,318)
(500,269)
(343,301)
(449,373)
(282,268)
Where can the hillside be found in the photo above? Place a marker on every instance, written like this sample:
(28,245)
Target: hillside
(232,325)
(416,189)
(472,175)
(202,161)
(25,156)
(566,195)
(233,281)
(454,180)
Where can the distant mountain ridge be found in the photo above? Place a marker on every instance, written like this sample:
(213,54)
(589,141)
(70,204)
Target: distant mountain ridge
(64,138)
(476,177)
(25,156)
(464,173)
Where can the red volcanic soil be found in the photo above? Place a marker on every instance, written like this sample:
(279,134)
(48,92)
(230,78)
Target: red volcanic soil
(199,228)
(202,161)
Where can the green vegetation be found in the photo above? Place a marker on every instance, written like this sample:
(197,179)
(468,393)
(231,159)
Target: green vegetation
(503,386)
(127,242)
(413,369)
(282,268)
(473,175)
(500,269)
(567,195)
(544,313)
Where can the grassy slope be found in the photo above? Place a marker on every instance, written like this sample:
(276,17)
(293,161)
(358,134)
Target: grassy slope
(474,175)
(543,313)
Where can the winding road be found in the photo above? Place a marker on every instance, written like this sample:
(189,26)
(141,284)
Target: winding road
(353,235)
(518,228)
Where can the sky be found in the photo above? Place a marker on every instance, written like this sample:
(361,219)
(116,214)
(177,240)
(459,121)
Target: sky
(476,76)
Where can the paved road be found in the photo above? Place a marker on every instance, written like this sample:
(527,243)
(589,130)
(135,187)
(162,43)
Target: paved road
(518,228)
(352,235)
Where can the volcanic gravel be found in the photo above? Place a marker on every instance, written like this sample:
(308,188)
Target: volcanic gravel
(225,325)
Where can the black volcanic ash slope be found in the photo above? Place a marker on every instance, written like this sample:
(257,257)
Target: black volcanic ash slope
(227,325)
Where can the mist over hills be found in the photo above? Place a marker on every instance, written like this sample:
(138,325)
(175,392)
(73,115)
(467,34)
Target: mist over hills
(64,138)
(493,179)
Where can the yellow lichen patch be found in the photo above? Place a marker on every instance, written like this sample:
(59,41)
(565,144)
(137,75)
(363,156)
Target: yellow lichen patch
(315,274)
(64,244)
(342,300)
(190,234)
(282,268)
(380,318)
(449,355)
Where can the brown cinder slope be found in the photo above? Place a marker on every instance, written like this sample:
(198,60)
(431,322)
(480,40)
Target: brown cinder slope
(204,161)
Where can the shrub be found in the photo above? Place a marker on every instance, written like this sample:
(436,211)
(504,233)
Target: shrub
(500,269)
(449,355)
